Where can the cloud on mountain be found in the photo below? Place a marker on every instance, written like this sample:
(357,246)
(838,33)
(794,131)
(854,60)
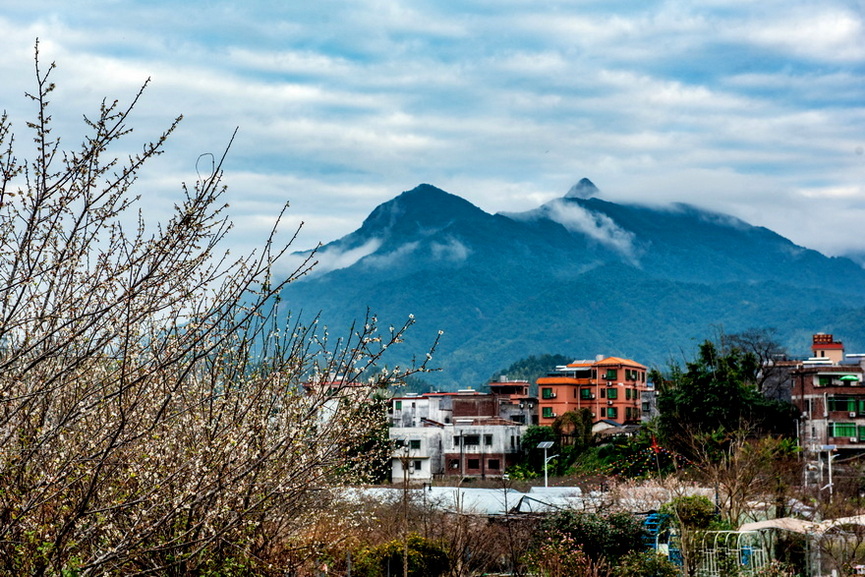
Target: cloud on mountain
(392,258)
(598,227)
(334,258)
(452,250)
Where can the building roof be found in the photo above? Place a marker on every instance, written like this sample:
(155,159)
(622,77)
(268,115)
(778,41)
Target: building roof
(618,361)
(804,526)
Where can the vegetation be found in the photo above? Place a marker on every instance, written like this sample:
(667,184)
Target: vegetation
(714,396)
(153,417)
(645,564)
(532,368)
(426,558)
(607,536)
(559,555)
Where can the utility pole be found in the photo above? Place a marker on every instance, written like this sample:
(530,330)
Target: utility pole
(405,460)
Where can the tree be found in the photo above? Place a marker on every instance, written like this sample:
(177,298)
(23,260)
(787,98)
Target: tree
(748,470)
(153,417)
(532,457)
(692,516)
(574,429)
(764,346)
(600,536)
(716,393)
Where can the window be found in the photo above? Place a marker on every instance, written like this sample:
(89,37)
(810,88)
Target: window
(825,381)
(414,444)
(488,440)
(454,464)
(603,393)
(472,439)
(493,465)
(547,393)
(548,412)
(612,394)
(474,464)
(646,407)
(418,465)
(456,440)
(842,404)
(611,374)
(844,430)
(586,394)
(612,413)
(397,405)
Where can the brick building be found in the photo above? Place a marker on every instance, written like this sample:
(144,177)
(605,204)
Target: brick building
(828,390)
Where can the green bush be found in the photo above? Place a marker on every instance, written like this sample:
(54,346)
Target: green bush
(426,558)
(609,536)
(692,511)
(645,564)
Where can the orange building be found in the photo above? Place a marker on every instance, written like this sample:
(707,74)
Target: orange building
(609,387)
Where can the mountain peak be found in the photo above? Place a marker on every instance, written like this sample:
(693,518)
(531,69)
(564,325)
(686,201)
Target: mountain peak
(423,208)
(583,189)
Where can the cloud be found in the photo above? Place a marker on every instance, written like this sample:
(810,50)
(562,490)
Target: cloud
(452,250)
(334,258)
(598,227)
(387,260)
(749,108)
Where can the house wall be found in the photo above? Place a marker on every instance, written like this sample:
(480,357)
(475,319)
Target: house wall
(612,390)
(481,450)
(421,448)
(833,411)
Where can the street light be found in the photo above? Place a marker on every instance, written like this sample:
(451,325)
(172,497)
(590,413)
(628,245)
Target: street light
(546,445)
(830,456)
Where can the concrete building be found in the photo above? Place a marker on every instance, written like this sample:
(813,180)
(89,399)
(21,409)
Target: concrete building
(515,402)
(466,433)
(828,390)
(611,388)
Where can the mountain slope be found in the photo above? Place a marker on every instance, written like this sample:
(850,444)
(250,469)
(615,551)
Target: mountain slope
(578,275)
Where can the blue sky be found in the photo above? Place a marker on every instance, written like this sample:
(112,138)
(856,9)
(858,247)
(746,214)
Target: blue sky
(756,109)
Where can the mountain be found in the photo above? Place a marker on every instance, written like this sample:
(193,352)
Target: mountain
(578,275)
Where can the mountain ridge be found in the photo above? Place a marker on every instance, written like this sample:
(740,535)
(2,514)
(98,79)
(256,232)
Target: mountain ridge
(575,275)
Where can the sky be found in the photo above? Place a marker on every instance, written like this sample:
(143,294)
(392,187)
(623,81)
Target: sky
(754,109)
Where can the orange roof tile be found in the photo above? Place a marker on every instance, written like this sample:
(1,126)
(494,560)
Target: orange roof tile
(618,361)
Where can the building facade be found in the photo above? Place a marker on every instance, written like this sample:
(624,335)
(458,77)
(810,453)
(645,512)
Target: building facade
(611,388)
(467,433)
(828,390)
